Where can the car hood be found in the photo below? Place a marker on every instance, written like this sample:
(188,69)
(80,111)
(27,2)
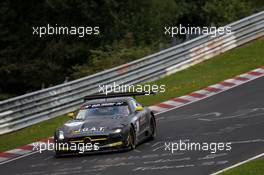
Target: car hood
(94,125)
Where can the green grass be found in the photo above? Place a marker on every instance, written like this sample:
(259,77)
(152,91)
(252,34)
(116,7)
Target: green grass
(219,68)
(31,134)
(255,167)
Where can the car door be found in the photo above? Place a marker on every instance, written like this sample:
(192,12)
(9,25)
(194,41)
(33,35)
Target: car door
(141,122)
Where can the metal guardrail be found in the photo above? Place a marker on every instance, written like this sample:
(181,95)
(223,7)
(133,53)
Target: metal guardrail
(32,108)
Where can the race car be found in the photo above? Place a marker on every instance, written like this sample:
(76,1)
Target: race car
(106,123)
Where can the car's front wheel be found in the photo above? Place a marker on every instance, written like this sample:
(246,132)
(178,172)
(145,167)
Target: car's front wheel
(153,129)
(131,139)
(58,153)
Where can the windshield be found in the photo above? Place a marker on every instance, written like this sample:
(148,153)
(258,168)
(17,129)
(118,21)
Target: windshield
(102,110)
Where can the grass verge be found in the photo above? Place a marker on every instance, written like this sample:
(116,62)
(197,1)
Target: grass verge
(229,64)
(254,167)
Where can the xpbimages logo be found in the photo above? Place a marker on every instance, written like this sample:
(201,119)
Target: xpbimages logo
(79,31)
(80,147)
(186,145)
(116,88)
(173,31)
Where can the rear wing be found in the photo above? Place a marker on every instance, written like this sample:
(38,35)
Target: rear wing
(113,95)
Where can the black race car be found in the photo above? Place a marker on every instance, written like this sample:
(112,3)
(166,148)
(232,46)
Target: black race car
(106,123)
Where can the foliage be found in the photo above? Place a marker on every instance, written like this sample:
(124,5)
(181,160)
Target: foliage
(129,29)
(117,54)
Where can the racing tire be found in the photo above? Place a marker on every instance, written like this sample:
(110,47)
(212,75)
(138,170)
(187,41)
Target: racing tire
(153,129)
(58,153)
(131,139)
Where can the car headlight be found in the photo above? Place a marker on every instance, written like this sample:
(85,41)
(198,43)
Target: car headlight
(61,135)
(118,130)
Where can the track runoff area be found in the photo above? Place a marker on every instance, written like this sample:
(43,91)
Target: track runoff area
(227,127)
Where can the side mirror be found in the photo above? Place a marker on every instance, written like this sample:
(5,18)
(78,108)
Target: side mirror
(71,114)
(139,108)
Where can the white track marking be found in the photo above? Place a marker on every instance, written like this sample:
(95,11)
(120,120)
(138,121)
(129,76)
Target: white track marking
(234,81)
(10,160)
(189,98)
(173,103)
(212,156)
(19,151)
(238,164)
(157,108)
(218,86)
(249,76)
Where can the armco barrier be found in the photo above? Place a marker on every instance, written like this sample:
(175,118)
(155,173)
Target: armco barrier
(28,109)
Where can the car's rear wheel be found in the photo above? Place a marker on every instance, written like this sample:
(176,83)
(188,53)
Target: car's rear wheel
(131,139)
(153,129)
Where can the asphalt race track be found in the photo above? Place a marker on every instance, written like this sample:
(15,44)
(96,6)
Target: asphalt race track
(236,116)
